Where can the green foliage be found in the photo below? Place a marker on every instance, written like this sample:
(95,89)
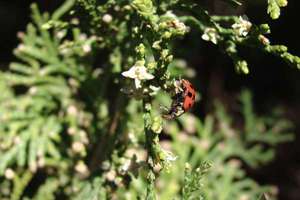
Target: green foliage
(63,117)
(274,7)
(192,186)
(218,140)
(91,190)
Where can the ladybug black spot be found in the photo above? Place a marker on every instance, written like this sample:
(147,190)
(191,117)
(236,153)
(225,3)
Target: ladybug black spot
(190,105)
(191,86)
(190,94)
(194,97)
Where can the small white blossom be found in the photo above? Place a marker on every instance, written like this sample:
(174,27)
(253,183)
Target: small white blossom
(148,106)
(9,173)
(235,163)
(170,14)
(41,162)
(20,47)
(126,166)
(111,175)
(83,137)
(61,34)
(204,144)
(176,23)
(156,44)
(244,197)
(71,130)
(138,72)
(33,166)
(77,147)
(86,48)
(180,26)
(107,18)
(75,21)
(72,110)
(81,168)
(16,140)
(117,8)
(242,27)
(33,90)
(210,34)
(169,156)
(154,90)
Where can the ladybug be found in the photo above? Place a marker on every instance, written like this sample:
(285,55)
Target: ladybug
(183,99)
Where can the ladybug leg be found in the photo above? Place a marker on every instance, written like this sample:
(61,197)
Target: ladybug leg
(175,101)
(170,114)
(163,108)
(177,106)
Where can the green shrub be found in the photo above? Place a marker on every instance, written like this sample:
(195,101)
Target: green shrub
(72,127)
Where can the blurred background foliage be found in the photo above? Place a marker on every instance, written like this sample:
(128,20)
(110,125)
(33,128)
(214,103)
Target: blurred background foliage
(67,132)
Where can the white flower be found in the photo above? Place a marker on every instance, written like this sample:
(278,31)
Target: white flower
(21,47)
(86,48)
(154,90)
(169,156)
(81,167)
(111,175)
(170,14)
(9,173)
(72,110)
(126,166)
(210,34)
(242,27)
(107,18)
(71,130)
(77,147)
(61,34)
(138,72)
(16,140)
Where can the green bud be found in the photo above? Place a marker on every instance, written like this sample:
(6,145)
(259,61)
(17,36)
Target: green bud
(47,25)
(152,65)
(273,9)
(144,8)
(230,47)
(141,49)
(282,3)
(167,35)
(278,48)
(187,166)
(169,58)
(242,67)
(157,125)
(165,53)
(265,28)
(162,25)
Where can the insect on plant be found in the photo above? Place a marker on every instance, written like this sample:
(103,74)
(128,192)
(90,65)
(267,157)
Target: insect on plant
(183,99)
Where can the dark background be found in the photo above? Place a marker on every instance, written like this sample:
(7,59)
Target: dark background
(271,81)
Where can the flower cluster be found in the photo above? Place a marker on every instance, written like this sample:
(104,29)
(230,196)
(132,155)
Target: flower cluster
(242,27)
(138,72)
(211,34)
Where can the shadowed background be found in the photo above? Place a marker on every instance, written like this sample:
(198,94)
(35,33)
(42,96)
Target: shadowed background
(271,81)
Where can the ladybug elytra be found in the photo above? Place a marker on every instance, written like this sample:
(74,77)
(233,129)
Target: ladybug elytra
(183,99)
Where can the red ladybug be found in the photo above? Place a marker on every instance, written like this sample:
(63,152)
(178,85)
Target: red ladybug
(183,99)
